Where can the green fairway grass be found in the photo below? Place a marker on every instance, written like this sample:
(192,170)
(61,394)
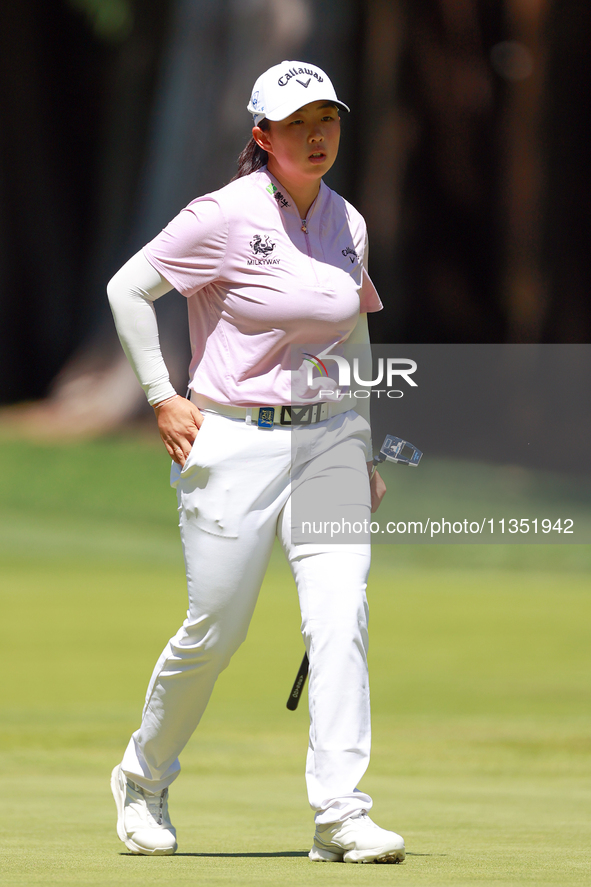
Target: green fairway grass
(480,673)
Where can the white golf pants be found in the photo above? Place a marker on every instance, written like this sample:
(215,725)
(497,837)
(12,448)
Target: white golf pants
(236,493)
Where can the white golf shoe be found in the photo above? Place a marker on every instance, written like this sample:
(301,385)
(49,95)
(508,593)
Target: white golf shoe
(142,817)
(357,839)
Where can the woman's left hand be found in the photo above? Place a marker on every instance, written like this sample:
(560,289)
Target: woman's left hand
(377,488)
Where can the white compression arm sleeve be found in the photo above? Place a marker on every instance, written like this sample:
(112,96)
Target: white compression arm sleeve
(360,339)
(131,293)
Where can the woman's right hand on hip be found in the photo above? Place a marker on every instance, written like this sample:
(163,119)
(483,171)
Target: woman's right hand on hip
(179,422)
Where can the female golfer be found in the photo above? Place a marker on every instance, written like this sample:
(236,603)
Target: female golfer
(273,268)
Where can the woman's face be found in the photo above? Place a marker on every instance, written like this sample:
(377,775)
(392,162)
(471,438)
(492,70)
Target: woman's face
(304,146)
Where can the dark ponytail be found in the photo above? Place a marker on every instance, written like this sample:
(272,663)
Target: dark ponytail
(253,156)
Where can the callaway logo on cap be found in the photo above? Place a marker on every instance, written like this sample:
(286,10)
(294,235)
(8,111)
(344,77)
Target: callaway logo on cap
(286,87)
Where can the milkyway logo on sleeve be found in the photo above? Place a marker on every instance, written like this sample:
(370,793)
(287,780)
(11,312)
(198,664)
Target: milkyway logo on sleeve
(262,247)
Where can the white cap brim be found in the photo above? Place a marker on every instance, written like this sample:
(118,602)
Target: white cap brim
(288,108)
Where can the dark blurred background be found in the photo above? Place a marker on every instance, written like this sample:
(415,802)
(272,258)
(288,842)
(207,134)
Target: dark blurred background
(466,150)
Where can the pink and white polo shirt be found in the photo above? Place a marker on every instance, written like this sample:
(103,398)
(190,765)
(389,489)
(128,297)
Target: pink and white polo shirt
(257,284)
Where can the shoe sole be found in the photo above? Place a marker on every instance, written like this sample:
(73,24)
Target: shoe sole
(393,856)
(320,854)
(121,833)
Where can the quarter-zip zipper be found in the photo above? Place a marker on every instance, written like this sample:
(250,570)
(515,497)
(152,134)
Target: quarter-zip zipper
(304,229)
(307,239)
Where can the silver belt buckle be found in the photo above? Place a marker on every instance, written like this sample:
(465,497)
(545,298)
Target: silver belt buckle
(303,414)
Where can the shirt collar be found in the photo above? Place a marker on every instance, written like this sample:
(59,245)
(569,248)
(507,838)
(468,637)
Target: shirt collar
(284,201)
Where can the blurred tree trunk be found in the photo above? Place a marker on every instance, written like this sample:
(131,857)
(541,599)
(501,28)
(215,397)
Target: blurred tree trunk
(523,175)
(567,208)
(41,244)
(387,136)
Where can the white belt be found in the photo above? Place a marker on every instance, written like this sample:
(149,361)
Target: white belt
(266,417)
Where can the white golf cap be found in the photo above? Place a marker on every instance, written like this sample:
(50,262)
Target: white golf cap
(286,87)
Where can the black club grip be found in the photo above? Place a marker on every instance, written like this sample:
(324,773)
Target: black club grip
(298,686)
